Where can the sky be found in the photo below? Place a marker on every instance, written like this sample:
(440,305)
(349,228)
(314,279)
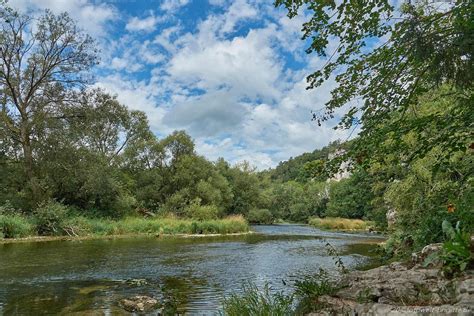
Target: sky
(229,73)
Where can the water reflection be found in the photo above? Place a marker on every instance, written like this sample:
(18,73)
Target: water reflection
(81,277)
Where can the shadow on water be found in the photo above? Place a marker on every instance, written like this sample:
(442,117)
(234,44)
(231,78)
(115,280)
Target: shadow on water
(193,274)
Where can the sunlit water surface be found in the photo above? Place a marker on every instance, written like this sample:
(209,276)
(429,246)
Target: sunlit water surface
(90,277)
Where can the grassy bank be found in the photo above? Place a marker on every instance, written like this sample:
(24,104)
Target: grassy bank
(15,226)
(338,223)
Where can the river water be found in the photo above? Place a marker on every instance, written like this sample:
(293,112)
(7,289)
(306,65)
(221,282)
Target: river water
(90,277)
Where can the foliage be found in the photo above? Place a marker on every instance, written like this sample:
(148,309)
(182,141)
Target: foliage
(42,59)
(201,212)
(258,302)
(456,254)
(305,166)
(399,52)
(309,289)
(15,226)
(49,218)
(260,216)
(421,199)
(350,198)
(7,208)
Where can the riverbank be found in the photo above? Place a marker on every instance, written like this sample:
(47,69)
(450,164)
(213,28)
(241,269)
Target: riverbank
(24,229)
(124,236)
(400,289)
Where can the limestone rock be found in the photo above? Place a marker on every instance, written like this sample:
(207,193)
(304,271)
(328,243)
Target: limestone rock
(399,289)
(139,303)
(391,217)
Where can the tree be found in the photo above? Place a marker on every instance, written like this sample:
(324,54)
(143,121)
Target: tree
(103,125)
(350,198)
(387,57)
(39,62)
(81,156)
(177,145)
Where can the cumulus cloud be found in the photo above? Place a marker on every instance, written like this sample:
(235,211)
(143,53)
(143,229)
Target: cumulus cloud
(246,65)
(234,78)
(173,5)
(92,17)
(147,24)
(209,115)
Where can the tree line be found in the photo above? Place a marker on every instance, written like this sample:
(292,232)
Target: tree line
(63,140)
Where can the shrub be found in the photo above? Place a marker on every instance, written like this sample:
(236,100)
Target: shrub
(455,254)
(299,212)
(15,226)
(123,205)
(201,212)
(7,209)
(50,217)
(260,216)
(255,302)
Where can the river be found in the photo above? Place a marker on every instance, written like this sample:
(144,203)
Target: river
(78,277)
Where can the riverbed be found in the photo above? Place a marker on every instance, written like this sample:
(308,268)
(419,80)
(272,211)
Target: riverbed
(194,274)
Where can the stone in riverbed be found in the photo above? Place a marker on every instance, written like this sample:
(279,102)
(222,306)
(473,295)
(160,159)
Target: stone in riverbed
(139,303)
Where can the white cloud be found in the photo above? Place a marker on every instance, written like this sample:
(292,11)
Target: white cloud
(92,17)
(238,11)
(246,66)
(137,96)
(147,24)
(231,90)
(173,5)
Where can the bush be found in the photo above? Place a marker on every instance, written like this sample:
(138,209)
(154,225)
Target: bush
(49,218)
(299,212)
(7,209)
(255,302)
(260,216)
(201,212)
(123,205)
(15,226)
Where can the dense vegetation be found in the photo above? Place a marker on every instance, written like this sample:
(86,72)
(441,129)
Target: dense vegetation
(70,151)
(403,74)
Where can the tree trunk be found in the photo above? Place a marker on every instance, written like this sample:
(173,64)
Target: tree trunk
(29,164)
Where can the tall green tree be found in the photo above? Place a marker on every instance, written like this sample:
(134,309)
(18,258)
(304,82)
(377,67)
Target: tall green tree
(40,60)
(383,57)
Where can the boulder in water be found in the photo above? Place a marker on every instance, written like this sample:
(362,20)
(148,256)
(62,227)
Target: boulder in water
(139,303)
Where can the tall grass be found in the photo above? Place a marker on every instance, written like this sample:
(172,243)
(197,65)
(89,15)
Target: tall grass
(169,226)
(19,226)
(338,223)
(254,302)
(15,226)
(304,300)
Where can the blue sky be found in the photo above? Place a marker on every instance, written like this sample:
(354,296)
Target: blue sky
(230,73)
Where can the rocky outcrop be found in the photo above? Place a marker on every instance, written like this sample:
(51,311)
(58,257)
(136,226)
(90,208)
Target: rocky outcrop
(398,289)
(139,303)
(391,216)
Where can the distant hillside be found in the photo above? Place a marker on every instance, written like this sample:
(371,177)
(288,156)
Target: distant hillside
(305,166)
